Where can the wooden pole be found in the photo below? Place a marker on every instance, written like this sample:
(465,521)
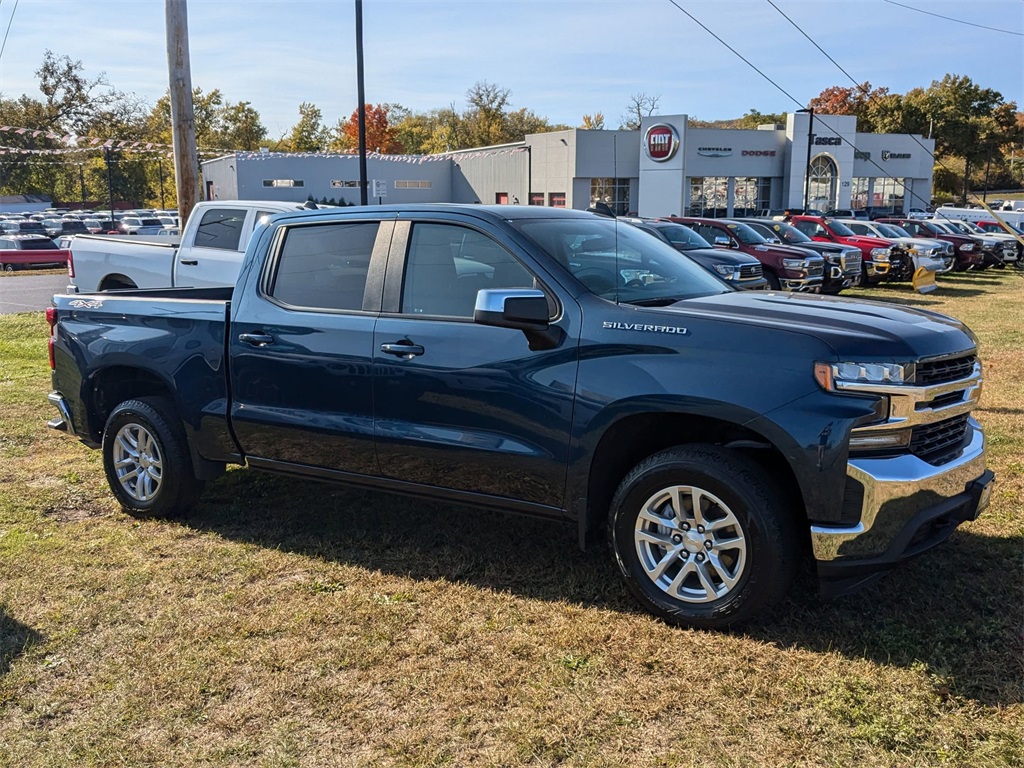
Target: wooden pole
(183,122)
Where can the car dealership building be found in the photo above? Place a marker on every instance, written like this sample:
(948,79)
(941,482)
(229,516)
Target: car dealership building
(665,168)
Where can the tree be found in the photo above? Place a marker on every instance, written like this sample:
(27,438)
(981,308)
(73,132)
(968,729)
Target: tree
(640,105)
(753,118)
(309,134)
(858,101)
(593,122)
(380,135)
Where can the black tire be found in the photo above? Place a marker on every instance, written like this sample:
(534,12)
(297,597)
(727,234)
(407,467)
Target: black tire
(773,281)
(7,267)
(164,484)
(754,544)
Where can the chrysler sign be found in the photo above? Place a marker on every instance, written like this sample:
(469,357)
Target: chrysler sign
(661,142)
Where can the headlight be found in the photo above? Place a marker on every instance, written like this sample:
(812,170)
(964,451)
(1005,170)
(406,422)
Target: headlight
(829,374)
(967,247)
(794,263)
(833,258)
(880,254)
(724,269)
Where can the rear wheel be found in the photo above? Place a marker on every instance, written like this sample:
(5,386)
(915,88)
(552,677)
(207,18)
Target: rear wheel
(701,537)
(146,459)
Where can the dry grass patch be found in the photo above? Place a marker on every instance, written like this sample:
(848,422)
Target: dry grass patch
(283,623)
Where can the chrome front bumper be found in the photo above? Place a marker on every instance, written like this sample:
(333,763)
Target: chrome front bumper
(895,491)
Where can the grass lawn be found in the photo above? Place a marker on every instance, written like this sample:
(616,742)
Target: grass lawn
(284,623)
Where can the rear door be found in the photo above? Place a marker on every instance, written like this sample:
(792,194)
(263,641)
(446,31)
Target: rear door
(301,347)
(464,406)
(212,253)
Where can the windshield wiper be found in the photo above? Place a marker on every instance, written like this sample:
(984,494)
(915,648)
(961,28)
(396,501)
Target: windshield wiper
(662,301)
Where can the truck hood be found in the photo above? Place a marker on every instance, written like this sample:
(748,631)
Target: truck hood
(769,250)
(865,241)
(854,329)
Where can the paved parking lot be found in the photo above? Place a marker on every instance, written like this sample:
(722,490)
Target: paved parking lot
(29,293)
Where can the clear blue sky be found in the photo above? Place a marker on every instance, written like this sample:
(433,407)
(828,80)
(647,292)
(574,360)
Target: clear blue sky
(560,58)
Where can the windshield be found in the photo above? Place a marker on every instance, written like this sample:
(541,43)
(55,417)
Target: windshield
(620,262)
(888,230)
(38,245)
(840,229)
(788,233)
(683,237)
(942,226)
(745,234)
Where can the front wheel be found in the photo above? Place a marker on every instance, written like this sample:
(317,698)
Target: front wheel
(7,267)
(146,459)
(701,537)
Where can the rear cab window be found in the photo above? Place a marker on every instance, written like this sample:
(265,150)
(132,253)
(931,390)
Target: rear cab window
(221,228)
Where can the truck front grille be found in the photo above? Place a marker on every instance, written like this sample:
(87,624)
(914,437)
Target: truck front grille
(852,263)
(750,272)
(816,270)
(941,371)
(939,442)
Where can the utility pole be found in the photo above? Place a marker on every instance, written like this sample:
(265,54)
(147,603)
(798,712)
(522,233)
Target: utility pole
(183,121)
(363,192)
(110,183)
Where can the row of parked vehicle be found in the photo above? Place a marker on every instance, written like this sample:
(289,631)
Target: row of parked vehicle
(40,240)
(821,254)
(55,223)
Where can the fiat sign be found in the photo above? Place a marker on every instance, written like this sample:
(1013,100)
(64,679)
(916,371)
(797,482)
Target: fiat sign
(661,142)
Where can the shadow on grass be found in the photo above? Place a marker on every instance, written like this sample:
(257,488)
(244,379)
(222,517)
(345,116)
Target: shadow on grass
(15,637)
(952,610)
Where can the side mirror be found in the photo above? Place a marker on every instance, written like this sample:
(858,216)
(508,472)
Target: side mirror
(723,240)
(525,309)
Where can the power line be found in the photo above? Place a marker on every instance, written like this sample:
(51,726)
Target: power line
(740,55)
(958,21)
(9,22)
(884,173)
(863,90)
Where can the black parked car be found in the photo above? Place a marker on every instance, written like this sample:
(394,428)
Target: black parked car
(738,269)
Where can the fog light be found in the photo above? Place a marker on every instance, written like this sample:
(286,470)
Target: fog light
(875,441)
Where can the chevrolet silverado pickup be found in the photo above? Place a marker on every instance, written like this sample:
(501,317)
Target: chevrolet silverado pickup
(548,362)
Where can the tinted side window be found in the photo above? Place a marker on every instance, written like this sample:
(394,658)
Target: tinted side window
(324,266)
(447,265)
(708,233)
(220,228)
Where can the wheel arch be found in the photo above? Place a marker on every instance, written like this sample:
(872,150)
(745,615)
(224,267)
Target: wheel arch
(115,281)
(105,389)
(632,438)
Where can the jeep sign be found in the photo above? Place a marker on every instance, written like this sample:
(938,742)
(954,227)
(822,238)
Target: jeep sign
(661,142)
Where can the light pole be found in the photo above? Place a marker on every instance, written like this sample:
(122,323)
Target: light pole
(807,168)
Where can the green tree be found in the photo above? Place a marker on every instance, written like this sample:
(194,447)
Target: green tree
(309,134)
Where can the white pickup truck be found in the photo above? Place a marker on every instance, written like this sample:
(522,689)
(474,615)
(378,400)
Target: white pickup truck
(208,252)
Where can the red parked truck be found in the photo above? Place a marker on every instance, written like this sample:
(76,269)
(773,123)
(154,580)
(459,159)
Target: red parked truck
(878,253)
(30,251)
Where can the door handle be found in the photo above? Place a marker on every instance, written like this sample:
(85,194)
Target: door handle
(405,351)
(189,262)
(256,339)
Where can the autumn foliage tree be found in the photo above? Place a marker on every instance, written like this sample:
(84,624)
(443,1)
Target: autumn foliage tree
(381,135)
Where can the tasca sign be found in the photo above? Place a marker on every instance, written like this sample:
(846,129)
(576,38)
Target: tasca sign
(661,142)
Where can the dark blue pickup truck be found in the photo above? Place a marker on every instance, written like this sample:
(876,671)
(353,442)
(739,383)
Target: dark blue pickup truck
(547,362)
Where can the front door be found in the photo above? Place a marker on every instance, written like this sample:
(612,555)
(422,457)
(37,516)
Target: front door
(301,349)
(466,406)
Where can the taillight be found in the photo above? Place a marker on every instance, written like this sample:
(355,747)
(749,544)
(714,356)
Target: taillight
(51,319)
(71,263)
